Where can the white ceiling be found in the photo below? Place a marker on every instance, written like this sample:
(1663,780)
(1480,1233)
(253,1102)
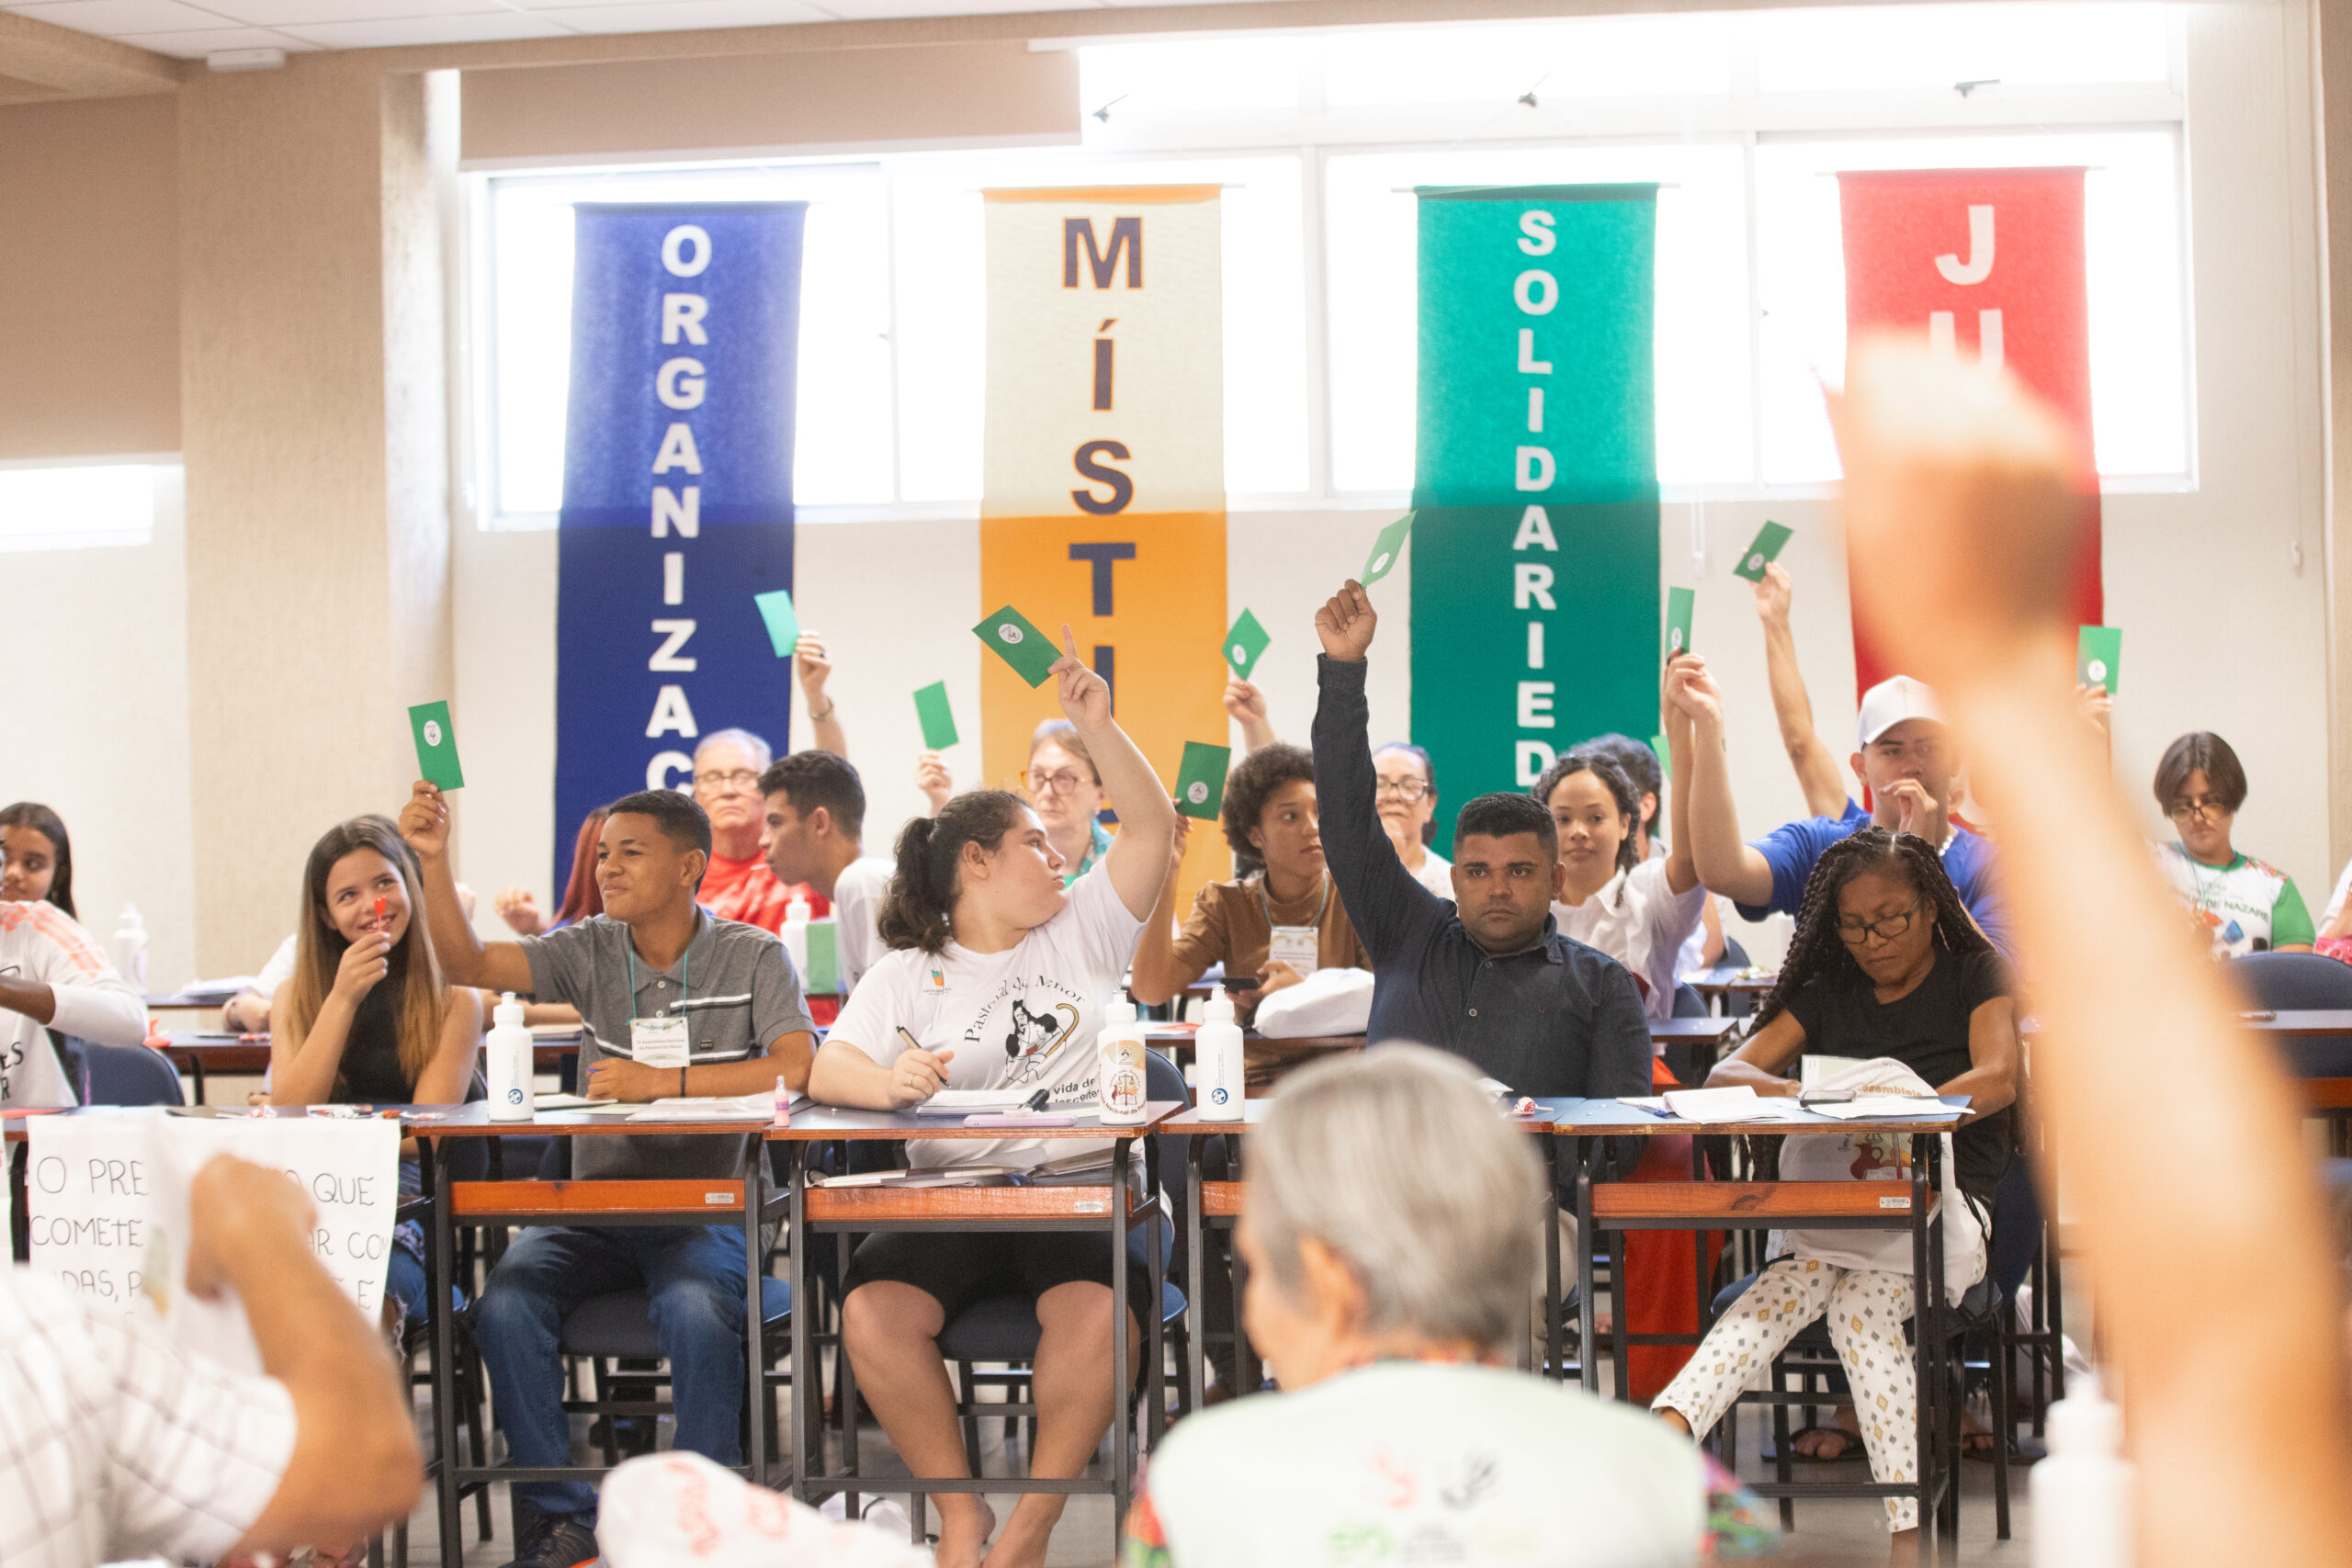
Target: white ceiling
(193,28)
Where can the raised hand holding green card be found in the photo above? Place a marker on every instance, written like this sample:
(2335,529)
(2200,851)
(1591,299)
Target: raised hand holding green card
(1761,553)
(1244,643)
(1679,604)
(1015,639)
(784,622)
(1200,781)
(2098,651)
(1385,549)
(436,746)
(938,719)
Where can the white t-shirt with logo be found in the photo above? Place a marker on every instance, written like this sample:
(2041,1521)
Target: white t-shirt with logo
(43,943)
(1025,1018)
(1642,923)
(857,916)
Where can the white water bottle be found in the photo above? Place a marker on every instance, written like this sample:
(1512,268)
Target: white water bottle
(2082,1492)
(512,1096)
(1216,1049)
(1119,1080)
(131,949)
(796,938)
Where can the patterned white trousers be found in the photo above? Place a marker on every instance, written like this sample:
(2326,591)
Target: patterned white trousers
(1866,1310)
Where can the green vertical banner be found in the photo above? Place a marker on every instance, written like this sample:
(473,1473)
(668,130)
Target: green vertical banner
(1535,554)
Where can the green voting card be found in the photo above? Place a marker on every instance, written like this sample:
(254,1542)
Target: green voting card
(1679,603)
(436,746)
(784,623)
(1385,549)
(1244,643)
(1030,652)
(1761,553)
(1200,782)
(1664,755)
(824,976)
(938,720)
(2097,650)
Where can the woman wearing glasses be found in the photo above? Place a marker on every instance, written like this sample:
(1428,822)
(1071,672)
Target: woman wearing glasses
(2241,905)
(1885,963)
(1405,793)
(1067,794)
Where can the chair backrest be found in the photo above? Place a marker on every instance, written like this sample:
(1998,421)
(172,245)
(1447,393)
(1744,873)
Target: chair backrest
(128,1075)
(1689,1003)
(1734,955)
(2289,982)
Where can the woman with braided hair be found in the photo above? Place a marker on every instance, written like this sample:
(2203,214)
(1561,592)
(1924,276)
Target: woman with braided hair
(1885,963)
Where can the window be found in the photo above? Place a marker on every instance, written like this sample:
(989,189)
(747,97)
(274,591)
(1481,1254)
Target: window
(1317,136)
(58,507)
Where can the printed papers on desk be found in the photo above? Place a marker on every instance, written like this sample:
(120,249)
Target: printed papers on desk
(966,1102)
(1741,1103)
(1887,1108)
(757,1106)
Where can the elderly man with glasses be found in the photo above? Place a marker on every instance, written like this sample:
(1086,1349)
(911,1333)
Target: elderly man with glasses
(1383,1293)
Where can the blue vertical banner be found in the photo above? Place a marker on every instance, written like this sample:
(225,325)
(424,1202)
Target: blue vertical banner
(677,491)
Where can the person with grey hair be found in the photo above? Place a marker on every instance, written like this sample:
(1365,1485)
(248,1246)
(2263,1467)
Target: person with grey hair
(738,884)
(1382,1293)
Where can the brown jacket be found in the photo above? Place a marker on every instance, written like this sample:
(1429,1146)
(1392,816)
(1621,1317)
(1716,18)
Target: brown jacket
(1228,926)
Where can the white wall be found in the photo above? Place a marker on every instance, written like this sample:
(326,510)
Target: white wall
(99,729)
(2224,629)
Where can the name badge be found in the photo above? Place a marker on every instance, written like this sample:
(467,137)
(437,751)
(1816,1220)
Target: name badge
(659,1042)
(1293,945)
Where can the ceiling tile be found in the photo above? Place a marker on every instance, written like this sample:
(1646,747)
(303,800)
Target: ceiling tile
(867,10)
(395,32)
(663,16)
(197,45)
(113,18)
(283,12)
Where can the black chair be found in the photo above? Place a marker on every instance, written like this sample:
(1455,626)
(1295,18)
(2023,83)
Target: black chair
(133,1074)
(1005,1328)
(618,1328)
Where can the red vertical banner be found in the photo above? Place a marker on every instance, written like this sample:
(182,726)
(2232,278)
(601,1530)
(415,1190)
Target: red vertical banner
(1988,263)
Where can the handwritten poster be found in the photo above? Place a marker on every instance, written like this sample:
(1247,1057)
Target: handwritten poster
(107,1197)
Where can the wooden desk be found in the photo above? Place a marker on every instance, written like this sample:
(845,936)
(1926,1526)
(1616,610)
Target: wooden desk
(743,1198)
(197,1052)
(1617,1207)
(818,1209)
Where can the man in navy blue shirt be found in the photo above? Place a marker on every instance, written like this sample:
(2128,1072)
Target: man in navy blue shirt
(1907,760)
(1487,976)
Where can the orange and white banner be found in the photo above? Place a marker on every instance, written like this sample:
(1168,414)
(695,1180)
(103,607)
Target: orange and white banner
(1102,503)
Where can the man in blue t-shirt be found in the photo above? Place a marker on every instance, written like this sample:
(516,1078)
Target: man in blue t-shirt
(1907,762)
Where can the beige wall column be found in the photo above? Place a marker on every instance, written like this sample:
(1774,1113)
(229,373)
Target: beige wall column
(2332,97)
(315,435)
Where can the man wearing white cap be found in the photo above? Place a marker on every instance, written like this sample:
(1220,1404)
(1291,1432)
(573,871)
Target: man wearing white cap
(1907,762)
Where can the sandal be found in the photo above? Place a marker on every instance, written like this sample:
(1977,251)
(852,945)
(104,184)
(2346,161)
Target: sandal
(1850,1445)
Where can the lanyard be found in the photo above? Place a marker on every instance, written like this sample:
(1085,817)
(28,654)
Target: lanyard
(1269,908)
(683,987)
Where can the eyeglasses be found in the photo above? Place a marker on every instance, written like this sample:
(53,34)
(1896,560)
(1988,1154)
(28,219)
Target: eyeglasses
(2210,810)
(742,778)
(1886,929)
(1403,789)
(1063,782)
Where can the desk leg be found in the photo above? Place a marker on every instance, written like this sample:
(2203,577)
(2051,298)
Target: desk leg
(1123,1407)
(445,1354)
(1196,1316)
(755,1360)
(1554,1349)
(1926,1365)
(1589,1365)
(807,1376)
(1155,1342)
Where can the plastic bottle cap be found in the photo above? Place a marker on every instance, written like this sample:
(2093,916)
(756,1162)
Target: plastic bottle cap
(1220,1007)
(2080,1425)
(507,1011)
(1119,1013)
(798,909)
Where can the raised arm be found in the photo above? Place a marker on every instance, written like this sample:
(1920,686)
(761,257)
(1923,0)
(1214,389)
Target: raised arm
(1246,706)
(1138,858)
(73,987)
(1159,968)
(824,715)
(1818,775)
(1681,864)
(466,959)
(2175,1131)
(1724,861)
(1382,899)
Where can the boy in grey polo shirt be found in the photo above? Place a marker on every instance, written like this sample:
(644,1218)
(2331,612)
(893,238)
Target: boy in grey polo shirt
(653,977)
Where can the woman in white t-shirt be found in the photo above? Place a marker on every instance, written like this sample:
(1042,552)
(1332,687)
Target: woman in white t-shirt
(998,975)
(1639,913)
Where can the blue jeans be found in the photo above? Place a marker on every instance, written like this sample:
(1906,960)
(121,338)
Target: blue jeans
(694,1276)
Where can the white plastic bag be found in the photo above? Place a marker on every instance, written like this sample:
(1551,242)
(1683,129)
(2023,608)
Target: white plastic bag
(679,1510)
(1329,1002)
(1866,1157)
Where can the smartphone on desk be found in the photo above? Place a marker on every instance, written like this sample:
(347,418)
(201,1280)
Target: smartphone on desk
(2259,1015)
